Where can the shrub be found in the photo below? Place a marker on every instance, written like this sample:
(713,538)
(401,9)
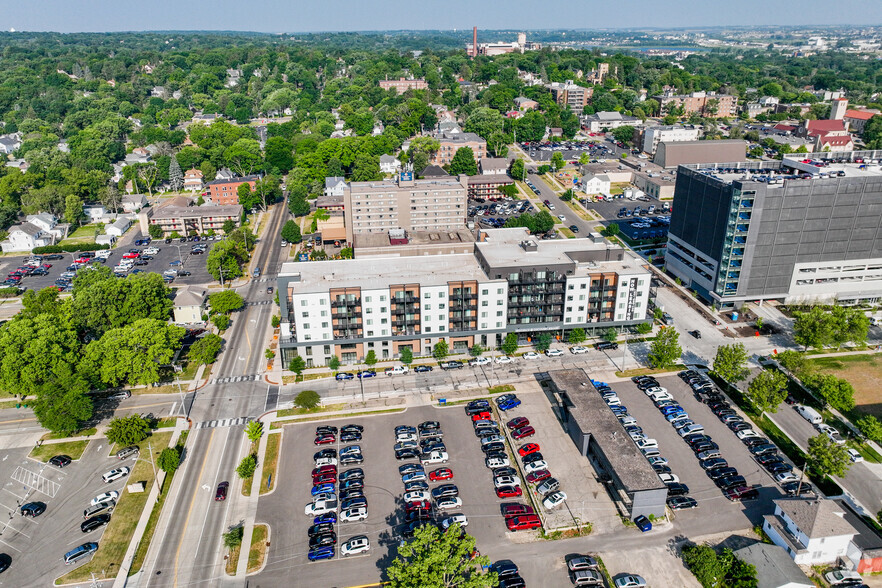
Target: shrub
(307,399)
(221,321)
(128,430)
(247,466)
(169,459)
(69,248)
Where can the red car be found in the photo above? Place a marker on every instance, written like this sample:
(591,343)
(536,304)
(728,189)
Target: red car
(509,491)
(84,260)
(131,255)
(422,505)
(523,432)
(739,493)
(523,523)
(515,509)
(517,423)
(46,266)
(324,439)
(326,469)
(221,493)
(441,474)
(481,416)
(527,449)
(326,478)
(538,476)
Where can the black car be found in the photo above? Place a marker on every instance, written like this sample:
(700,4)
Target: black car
(60,461)
(325,430)
(486,432)
(353,502)
(405,429)
(696,333)
(347,436)
(661,469)
(678,489)
(754,441)
(731,482)
(492,447)
(713,462)
(351,459)
(422,368)
(769,458)
(720,473)
(763,449)
(320,529)
(327,452)
(681,502)
(512,582)
(322,540)
(351,493)
(184,273)
(352,474)
(794,488)
(777,467)
(33,509)
(696,438)
(531,458)
(53,257)
(416,485)
(505,471)
(477,406)
(95,522)
(429,426)
(410,468)
(606,345)
(736,426)
(704,446)
(352,427)
(409,453)
(445,490)
(409,530)
(504,569)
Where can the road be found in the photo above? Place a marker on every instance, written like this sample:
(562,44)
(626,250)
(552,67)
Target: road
(187,549)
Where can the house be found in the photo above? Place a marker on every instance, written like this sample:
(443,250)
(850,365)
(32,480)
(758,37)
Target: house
(811,531)
(433,171)
(494,166)
(119,227)
(224,173)
(159,92)
(138,155)
(233,77)
(94,212)
(193,180)
(331,203)
(605,121)
(206,118)
(49,224)
(450,127)
(834,143)
(524,103)
(9,143)
(178,216)
(596,184)
(774,568)
(189,305)
(335,186)
(25,237)
(389,164)
(226,192)
(133,202)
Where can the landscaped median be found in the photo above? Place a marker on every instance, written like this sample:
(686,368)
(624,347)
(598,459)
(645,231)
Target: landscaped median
(72,449)
(118,534)
(259,545)
(270,462)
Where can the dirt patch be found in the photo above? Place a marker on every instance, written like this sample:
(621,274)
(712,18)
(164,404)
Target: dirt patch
(863,372)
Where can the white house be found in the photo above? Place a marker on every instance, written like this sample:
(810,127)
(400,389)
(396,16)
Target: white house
(48,224)
(133,202)
(189,305)
(25,237)
(774,569)
(335,186)
(95,212)
(811,531)
(117,229)
(596,184)
(193,180)
(389,164)
(494,166)
(9,143)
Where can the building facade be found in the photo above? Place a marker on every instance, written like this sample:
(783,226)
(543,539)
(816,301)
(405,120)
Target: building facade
(570,94)
(508,283)
(706,104)
(652,136)
(450,143)
(173,218)
(405,203)
(788,230)
(811,531)
(402,85)
(226,192)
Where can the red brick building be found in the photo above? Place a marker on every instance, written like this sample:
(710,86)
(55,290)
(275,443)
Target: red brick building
(225,192)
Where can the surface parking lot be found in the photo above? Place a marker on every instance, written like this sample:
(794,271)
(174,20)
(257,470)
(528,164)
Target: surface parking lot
(490,214)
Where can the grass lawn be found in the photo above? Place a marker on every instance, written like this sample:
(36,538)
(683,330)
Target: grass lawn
(84,234)
(500,389)
(83,433)
(233,560)
(118,534)
(73,449)
(305,411)
(258,547)
(305,377)
(863,372)
(567,232)
(270,463)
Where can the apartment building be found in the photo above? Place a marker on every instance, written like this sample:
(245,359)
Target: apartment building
(652,136)
(791,230)
(226,191)
(405,203)
(572,95)
(510,282)
(179,217)
(402,85)
(451,142)
(706,104)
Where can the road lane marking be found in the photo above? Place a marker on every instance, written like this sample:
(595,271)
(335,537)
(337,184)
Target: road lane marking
(190,508)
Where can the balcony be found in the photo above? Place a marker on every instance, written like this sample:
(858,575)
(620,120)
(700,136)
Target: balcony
(348,333)
(405,300)
(345,303)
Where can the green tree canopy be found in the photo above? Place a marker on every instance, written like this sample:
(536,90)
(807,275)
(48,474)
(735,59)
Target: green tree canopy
(308,399)
(291,232)
(510,344)
(826,458)
(440,351)
(133,354)
(247,467)
(665,350)
(730,363)
(63,404)
(225,302)
(169,459)
(205,349)
(463,162)
(576,336)
(768,390)
(433,559)
(128,430)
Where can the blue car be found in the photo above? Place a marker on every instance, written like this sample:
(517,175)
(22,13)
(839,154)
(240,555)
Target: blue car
(643,523)
(509,405)
(672,409)
(367,374)
(323,488)
(328,517)
(326,552)
(619,410)
(344,376)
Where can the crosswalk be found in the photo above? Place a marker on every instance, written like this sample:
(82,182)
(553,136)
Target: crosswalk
(223,423)
(233,379)
(35,481)
(259,303)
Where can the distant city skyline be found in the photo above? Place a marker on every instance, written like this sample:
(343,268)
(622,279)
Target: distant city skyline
(277,16)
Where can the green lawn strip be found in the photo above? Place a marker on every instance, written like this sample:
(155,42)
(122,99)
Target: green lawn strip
(115,541)
(277,425)
(498,389)
(72,449)
(257,552)
(287,412)
(83,433)
(270,462)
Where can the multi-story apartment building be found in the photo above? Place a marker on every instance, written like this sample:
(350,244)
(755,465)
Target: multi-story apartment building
(402,85)
(451,142)
(707,104)
(405,203)
(226,191)
(787,230)
(179,217)
(509,283)
(570,94)
(652,136)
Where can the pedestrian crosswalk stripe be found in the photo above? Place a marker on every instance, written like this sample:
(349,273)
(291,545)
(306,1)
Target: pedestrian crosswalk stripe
(223,423)
(234,379)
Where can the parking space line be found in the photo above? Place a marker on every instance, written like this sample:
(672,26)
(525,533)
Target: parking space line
(9,545)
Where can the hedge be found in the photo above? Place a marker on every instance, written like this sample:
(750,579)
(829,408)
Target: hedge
(10,292)
(69,248)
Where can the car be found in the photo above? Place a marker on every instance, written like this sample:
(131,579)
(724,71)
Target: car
(366,374)
(417,476)
(630,581)
(840,577)
(481,416)
(356,545)
(325,439)
(696,333)
(416,496)
(721,472)
(523,432)
(60,461)
(554,499)
(422,368)
(582,562)
(669,479)
(448,503)
(504,359)
(606,346)
(479,361)
(344,376)
(116,474)
(392,371)
(319,529)
(510,404)
(417,485)
(494,447)
(531,355)
(323,540)
(329,517)
(321,553)
(553,353)
(504,569)
(531,458)
(355,502)
(500,481)
(740,493)
(677,489)
(517,422)
(325,460)
(434,457)
(444,491)
(419,505)
(496,461)
(349,436)
(126,452)
(797,488)
(854,456)
(409,530)
(410,453)
(714,462)
(358,513)
(477,406)
(681,502)
(454,519)
(95,522)
(524,522)
(79,552)
(105,498)
(509,491)
(441,474)
(784,477)
(452,365)
(578,349)
(731,482)
(323,488)
(763,449)
(351,459)
(527,449)
(33,509)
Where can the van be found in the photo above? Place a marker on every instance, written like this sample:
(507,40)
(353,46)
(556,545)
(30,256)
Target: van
(809,414)
(256,273)
(99,509)
(78,553)
(127,451)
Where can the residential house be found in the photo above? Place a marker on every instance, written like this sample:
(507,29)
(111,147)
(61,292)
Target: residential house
(193,180)
(833,144)
(138,155)
(811,531)
(389,164)
(335,186)
(159,92)
(596,184)
(233,77)
(190,305)
(94,212)
(24,237)
(224,173)
(449,126)
(487,186)
(48,224)
(132,203)
(774,568)
(120,226)
(330,203)
(226,192)
(206,118)
(493,166)
(9,143)
(523,103)
(707,104)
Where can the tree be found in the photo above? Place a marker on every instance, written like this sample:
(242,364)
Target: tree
(247,466)
(557,161)
(611,230)
(371,358)
(576,336)
(624,134)
(703,562)
(36,351)
(463,162)
(133,354)
(644,328)
(730,363)
(433,559)
(244,193)
(334,363)
(812,328)
(233,539)
(837,391)
(609,334)
(279,154)
(73,209)
(517,170)
(440,351)
(510,344)
(405,355)
(155,231)
(169,459)
(63,403)
(665,350)
(870,427)
(205,349)
(221,321)
(567,195)
(229,226)
(225,259)
(291,232)
(544,342)
(225,302)
(307,399)
(793,361)
(254,431)
(298,206)
(243,156)
(102,302)
(767,390)
(476,350)
(826,458)
(128,430)
(175,175)
(297,365)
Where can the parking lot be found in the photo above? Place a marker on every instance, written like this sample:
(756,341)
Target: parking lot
(599,148)
(494,214)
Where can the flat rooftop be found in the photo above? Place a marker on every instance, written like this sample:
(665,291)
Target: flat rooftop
(418,184)
(595,417)
(416,238)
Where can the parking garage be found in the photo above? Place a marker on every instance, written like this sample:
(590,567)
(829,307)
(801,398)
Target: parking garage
(599,436)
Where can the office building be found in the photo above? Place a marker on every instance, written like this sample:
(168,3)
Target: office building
(652,136)
(405,203)
(789,230)
(607,121)
(509,282)
(570,94)
(670,155)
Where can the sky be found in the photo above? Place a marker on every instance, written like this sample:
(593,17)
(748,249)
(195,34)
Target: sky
(360,15)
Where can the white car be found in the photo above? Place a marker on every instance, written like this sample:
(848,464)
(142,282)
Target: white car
(647,444)
(312,509)
(655,390)
(435,457)
(669,479)
(457,518)
(561,217)
(553,352)
(500,481)
(854,456)
(680,423)
(636,436)
(531,355)
(659,396)
(416,496)
(492,439)
(631,581)
(554,500)
(350,515)
(835,437)
(689,429)
(323,461)
(449,503)
(785,477)
(358,544)
(578,349)
(405,437)
(496,462)
(746,434)
(613,400)
(116,474)
(658,460)
(504,359)
(535,466)
(480,361)
(398,369)
(104,498)
(151,251)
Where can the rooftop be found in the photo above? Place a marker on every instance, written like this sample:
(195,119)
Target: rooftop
(209,210)
(190,296)
(774,568)
(418,184)
(816,517)
(494,163)
(439,238)
(458,138)
(234,180)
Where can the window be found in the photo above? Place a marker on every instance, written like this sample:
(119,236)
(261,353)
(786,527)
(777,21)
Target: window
(621,305)
(498,313)
(309,351)
(485,292)
(367,298)
(427,295)
(305,325)
(483,325)
(324,313)
(384,321)
(305,315)
(325,325)
(622,294)
(441,305)
(639,282)
(499,291)
(581,297)
(369,322)
(383,298)
(303,303)
(427,307)
(428,329)
(569,309)
(569,320)
(440,317)
(499,303)
(441,328)
(570,287)
(440,294)
(370,333)
(569,298)
(484,303)
(327,349)
(368,310)
(484,314)
(582,286)
(498,324)
(383,309)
